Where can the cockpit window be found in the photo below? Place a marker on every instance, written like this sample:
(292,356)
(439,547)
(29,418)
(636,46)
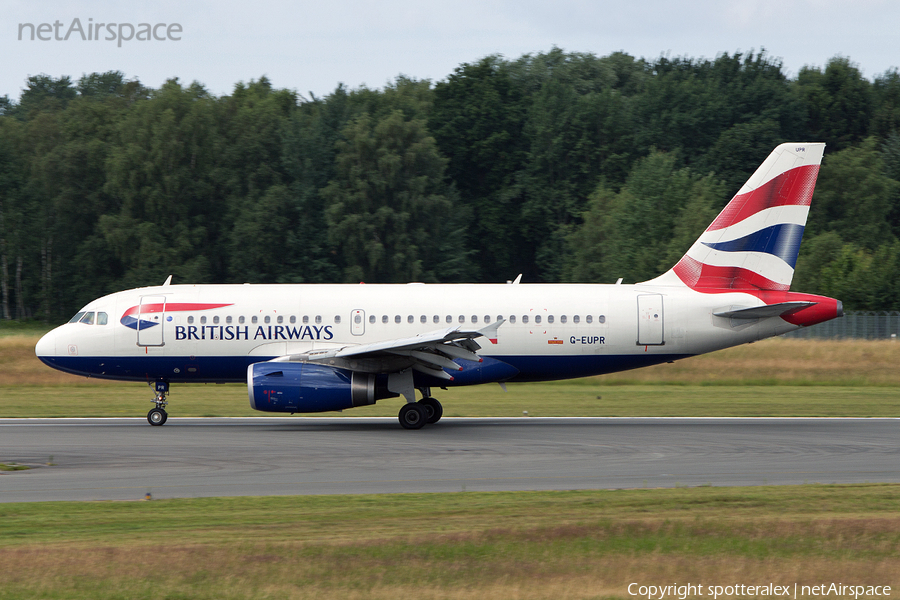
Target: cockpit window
(88,318)
(102,318)
(77,317)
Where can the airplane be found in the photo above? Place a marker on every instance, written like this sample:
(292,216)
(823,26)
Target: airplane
(310,348)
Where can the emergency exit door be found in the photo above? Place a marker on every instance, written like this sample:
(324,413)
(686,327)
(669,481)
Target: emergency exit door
(650,320)
(358,322)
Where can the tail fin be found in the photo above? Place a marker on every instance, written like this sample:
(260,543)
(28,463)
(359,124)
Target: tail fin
(754,242)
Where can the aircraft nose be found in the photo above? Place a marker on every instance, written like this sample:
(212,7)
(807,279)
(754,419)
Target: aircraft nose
(46,346)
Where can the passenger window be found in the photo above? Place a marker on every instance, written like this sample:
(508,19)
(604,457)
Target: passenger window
(357,318)
(240,320)
(203,320)
(228,320)
(601,319)
(384,318)
(267,319)
(410,319)
(487,319)
(589,318)
(101,318)
(576,319)
(500,318)
(462,318)
(76,318)
(449,319)
(88,318)
(562,319)
(191,319)
(293,319)
(318,319)
(537,318)
(524,318)
(474,318)
(215,320)
(254,319)
(371,318)
(305,319)
(436,319)
(397,318)
(550,318)
(512,319)
(279,319)
(337,319)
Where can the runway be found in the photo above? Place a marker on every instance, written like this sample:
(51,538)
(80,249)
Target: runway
(122,459)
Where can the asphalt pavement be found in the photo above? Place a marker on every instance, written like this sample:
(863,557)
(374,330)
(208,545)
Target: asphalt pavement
(123,459)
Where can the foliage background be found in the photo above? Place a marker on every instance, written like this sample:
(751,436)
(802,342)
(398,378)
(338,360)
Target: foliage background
(561,166)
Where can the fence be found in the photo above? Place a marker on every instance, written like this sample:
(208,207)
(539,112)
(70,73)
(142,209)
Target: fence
(860,325)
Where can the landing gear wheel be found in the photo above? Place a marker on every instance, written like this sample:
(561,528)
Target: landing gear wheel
(413,416)
(433,409)
(157,416)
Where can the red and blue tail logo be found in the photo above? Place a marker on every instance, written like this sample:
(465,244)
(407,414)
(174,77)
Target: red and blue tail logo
(754,242)
(132,317)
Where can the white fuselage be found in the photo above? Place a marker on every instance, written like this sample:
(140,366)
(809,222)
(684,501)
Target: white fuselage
(554,331)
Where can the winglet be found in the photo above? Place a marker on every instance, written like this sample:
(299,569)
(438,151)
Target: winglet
(490,332)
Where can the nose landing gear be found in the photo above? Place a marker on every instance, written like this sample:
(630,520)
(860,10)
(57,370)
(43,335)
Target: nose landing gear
(158,415)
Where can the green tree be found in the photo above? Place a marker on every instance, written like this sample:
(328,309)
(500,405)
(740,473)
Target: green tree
(157,172)
(886,104)
(309,141)
(861,278)
(645,228)
(44,93)
(13,233)
(854,196)
(838,102)
(388,206)
(249,175)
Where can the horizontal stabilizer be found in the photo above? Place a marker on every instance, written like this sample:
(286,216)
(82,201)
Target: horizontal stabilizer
(764,312)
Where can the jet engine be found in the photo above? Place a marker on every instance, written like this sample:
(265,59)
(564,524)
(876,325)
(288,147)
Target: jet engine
(308,388)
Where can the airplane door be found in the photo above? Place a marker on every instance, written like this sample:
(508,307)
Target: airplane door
(150,319)
(650,320)
(358,322)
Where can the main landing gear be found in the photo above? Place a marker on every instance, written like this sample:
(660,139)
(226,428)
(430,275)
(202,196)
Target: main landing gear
(414,415)
(158,415)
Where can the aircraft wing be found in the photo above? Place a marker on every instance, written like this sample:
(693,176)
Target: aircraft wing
(433,353)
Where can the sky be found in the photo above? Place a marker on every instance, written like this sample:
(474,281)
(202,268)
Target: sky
(311,47)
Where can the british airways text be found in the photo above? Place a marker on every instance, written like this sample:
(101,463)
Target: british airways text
(236,332)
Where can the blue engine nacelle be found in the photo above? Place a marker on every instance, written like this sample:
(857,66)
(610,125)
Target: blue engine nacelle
(307,388)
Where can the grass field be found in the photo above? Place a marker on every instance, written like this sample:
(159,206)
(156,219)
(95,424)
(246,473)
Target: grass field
(517,545)
(586,544)
(775,377)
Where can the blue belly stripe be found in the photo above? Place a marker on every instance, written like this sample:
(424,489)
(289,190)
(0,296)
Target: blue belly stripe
(231,369)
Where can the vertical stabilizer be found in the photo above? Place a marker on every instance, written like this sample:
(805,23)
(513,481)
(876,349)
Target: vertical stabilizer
(754,242)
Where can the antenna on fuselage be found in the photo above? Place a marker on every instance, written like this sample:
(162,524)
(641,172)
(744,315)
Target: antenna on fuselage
(516,281)
(168,281)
